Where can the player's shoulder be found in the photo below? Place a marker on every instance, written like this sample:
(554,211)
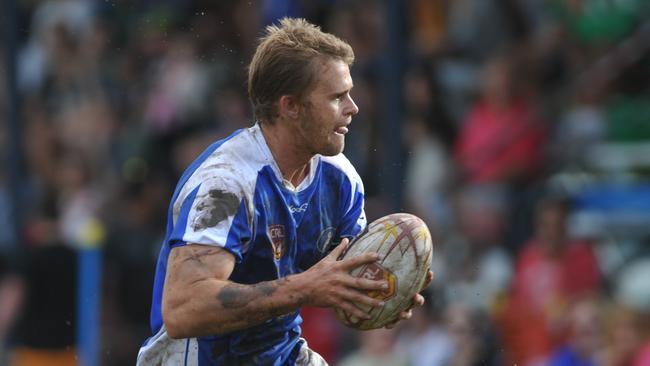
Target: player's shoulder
(234,156)
(341,164)
(230,164)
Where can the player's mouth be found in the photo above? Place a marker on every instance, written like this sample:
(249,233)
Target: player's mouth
(342,130)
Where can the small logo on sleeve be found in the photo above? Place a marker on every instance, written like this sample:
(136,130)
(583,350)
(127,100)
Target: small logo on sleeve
(324,241)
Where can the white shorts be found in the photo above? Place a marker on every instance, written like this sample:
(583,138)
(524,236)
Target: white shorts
(165,351)
(308,357)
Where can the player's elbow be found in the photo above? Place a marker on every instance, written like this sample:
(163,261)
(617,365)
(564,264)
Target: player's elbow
(176,327)
(175,323)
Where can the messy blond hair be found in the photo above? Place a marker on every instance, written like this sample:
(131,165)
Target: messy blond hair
(284,63)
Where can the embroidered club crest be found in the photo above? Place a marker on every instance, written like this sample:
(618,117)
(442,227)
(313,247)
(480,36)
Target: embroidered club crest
(276,233)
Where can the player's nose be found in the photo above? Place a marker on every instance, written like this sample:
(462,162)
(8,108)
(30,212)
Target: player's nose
(352,107)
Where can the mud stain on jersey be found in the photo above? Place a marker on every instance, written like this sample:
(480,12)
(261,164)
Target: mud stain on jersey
(215,207)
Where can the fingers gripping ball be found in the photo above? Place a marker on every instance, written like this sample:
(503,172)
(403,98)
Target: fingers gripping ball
(403,242)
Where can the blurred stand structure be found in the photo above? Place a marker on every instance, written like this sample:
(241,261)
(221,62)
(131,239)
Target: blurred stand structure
(490,109)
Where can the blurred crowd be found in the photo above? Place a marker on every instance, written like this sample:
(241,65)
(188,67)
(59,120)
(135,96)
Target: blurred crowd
(525,133)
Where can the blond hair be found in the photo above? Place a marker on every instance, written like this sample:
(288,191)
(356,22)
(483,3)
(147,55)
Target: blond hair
(284,63)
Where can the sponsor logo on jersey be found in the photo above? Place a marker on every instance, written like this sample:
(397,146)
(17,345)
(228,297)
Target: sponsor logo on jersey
(301,208)
(276,233)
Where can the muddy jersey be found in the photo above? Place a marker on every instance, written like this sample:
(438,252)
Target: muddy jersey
(233,196)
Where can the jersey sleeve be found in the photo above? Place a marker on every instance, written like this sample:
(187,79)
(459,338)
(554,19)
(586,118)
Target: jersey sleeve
(213,212)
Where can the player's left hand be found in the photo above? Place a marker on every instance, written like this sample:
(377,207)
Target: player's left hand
(418,301)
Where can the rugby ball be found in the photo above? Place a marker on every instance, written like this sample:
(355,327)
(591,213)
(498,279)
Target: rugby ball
(403,242)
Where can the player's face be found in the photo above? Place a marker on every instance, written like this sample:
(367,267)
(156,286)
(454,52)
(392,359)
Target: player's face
(328,110)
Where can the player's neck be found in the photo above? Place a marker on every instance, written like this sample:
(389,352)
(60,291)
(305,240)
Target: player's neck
(291,159)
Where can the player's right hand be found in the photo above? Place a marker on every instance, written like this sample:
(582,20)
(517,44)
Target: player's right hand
(329,283)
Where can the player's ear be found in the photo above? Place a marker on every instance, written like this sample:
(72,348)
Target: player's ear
(289,107)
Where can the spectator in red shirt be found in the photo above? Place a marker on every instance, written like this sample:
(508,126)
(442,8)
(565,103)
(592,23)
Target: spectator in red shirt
(552,271)
(501,139)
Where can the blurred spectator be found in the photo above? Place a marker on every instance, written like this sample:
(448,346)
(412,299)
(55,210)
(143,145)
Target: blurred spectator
(643,356)
(427,136)
(50,19)
(552,271)
(624,336)
(582,125)
(475,31)
(428,172)
(632,289)
(585,339)
(473,265)
(425,339)
(428,25)
(476,28)
(377,348)
(473,340)
(179,88)
(633,292)
(501,141)
(78,202)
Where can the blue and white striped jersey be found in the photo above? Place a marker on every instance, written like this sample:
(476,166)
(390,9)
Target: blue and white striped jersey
(234,196)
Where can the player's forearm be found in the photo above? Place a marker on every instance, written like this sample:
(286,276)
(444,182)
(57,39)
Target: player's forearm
(217,306)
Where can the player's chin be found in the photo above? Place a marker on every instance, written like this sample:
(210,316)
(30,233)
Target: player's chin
(334,146)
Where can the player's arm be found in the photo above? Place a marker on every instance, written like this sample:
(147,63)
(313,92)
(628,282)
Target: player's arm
(198,299)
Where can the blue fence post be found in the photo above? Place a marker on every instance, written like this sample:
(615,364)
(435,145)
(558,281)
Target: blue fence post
(89,286)
(394,53)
